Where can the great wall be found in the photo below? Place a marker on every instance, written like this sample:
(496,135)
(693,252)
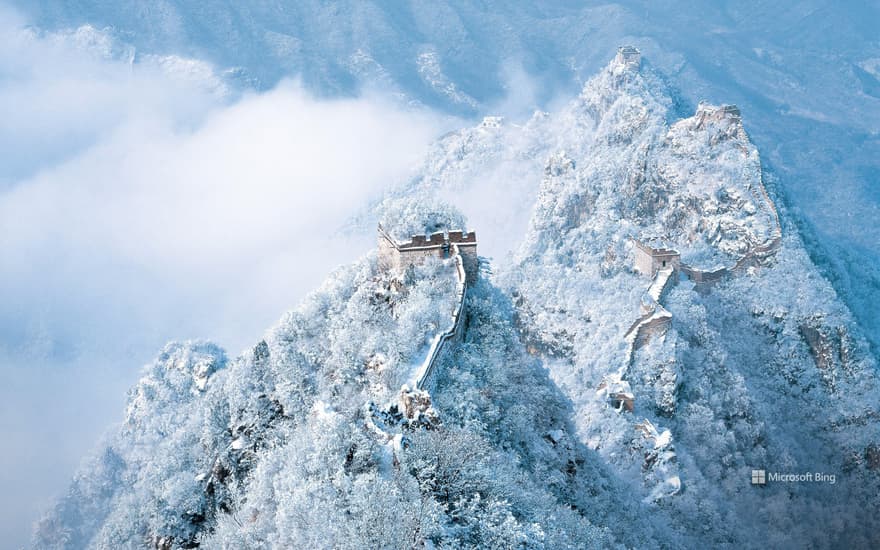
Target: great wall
(663,265)
(443,342)
(462,249)
(413,403)
(665,268)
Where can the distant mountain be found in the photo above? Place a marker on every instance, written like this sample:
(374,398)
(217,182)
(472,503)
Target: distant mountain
(660,333)
(807,74)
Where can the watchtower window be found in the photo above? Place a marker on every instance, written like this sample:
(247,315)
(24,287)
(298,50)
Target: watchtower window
(664,263)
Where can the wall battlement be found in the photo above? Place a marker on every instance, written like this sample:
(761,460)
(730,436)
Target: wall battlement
(401,255)
(438,239)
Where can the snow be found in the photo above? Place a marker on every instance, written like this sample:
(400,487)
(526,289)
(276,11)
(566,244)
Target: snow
(658,285)
(668,488)
(765,367)
(698,187)
(663,440)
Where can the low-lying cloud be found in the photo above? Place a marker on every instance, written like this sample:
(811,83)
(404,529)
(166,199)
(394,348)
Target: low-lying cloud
(139,203)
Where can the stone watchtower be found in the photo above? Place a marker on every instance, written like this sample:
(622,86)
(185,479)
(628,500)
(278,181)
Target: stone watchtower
(650,260)
(399,256)
(629,56)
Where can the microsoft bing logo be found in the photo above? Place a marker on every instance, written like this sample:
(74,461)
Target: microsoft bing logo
(759,477)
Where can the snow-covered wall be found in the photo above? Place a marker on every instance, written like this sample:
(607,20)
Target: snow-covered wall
(442,343)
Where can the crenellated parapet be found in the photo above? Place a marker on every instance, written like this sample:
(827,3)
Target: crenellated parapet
(400,255)
(724,122)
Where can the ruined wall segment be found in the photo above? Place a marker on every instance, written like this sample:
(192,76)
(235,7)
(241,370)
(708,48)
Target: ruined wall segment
(388,254)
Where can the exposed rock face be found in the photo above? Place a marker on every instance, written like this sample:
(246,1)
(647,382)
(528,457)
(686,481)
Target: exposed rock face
(415,405)
(830,348)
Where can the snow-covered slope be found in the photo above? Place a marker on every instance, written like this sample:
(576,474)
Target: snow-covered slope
(763,368)
(278,447)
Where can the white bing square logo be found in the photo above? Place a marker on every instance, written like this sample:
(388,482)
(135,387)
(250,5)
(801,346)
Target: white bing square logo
(759,477)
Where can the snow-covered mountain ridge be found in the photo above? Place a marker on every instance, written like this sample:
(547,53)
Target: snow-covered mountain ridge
(556,426)
(695,183)
(615,166)
(720,382)
(277,447)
